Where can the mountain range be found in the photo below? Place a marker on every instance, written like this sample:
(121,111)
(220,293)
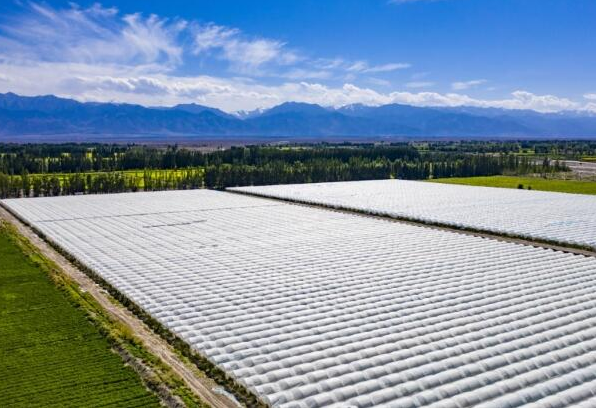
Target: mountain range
(51,117)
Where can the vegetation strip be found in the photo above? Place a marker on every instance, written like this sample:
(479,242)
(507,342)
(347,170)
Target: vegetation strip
(42,170)
(175,358)
(528,183)
(555,245)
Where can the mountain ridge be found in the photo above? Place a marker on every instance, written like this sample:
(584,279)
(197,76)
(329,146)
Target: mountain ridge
(52,115)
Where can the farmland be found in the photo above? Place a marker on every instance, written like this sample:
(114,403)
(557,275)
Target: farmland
(555,217)
(136,178)
(534,183)
(50,354)
(130,180)
(311,307)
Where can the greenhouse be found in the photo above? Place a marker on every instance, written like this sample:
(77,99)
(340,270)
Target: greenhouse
(313,307)
(556,217)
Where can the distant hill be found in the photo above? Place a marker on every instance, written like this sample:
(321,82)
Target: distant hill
(50,115)
(196,109)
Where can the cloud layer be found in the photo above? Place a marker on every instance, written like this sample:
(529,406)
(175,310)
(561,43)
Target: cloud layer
(245,55)
(99,54)
(463,85)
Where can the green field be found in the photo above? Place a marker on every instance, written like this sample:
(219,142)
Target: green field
(51,355)
(563,186)
(137,176)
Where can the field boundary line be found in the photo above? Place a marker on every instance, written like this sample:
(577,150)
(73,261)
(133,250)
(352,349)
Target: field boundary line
(151,341)
(516,239)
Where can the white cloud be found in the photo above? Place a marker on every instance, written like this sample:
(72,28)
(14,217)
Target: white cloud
(98,54)
(92,35)
(175,88)
(541,103)
(101,35)
(460,86)
(357,66)
(419,84)
(213,36)
(590,96)
(328,63)
(378,81)
(354,68)
(245,54)
(364,67)
(148,86)
(386,67)
(153,36)
(518,100)
(300,73)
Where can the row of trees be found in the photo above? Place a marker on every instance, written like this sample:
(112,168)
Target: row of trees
(568,149)
(222,175)
(80,158)
(26,185)
(72,158)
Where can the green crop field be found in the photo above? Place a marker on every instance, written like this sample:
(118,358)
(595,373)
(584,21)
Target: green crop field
(136,176)
(563,186)
(51,355)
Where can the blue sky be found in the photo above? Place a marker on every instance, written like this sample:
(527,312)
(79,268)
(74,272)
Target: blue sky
(242,55)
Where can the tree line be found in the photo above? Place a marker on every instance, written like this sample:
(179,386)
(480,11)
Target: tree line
(16,159)
(80,158)
(564,149)
(276,165)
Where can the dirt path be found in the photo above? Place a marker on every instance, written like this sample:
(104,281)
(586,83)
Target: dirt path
(201,386)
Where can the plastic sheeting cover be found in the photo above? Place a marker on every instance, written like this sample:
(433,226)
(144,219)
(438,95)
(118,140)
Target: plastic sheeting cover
(559,217)
(310,307)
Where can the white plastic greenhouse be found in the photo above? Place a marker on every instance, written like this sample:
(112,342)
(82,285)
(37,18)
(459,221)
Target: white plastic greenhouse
(309,307)
(557,217)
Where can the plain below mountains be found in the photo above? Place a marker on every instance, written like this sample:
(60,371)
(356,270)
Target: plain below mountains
(51,117)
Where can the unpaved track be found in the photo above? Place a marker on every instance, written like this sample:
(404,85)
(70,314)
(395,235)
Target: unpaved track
(153,343)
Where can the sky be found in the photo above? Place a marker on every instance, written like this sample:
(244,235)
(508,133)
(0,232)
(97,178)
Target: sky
(245,54)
